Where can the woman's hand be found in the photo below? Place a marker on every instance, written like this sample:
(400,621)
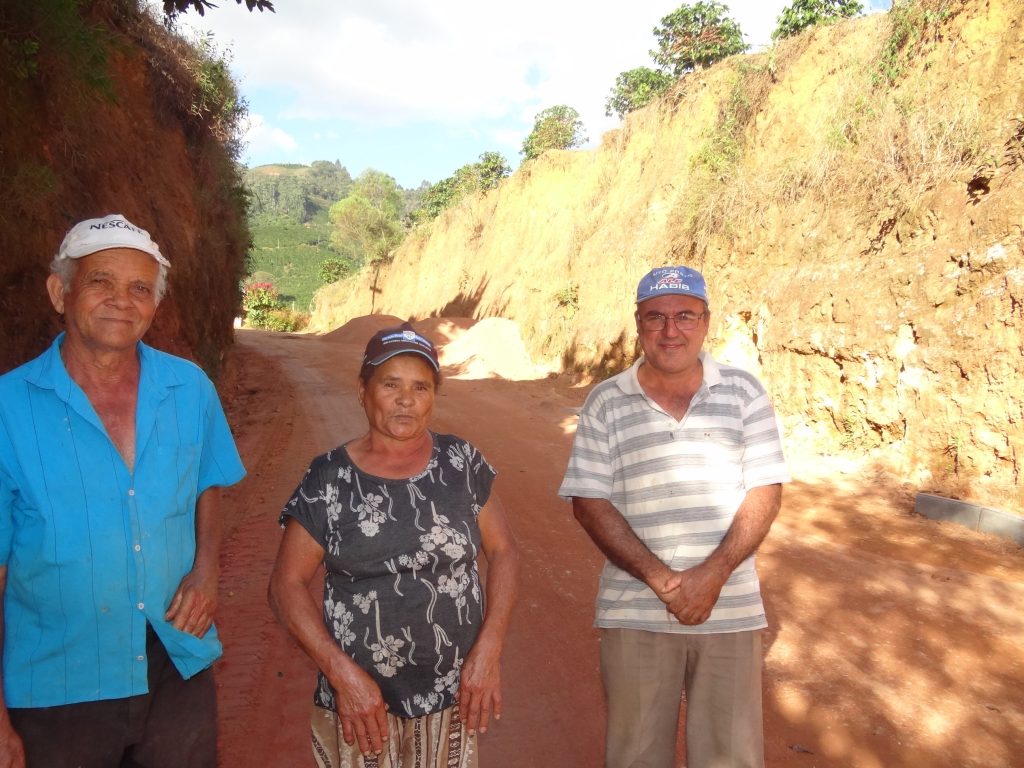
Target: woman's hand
(361,708)
(358,699)
(480,677)
(480,686)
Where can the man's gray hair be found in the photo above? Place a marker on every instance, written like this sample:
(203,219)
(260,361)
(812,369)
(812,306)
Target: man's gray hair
(65,269)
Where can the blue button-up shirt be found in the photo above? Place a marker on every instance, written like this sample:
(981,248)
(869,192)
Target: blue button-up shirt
(95,550)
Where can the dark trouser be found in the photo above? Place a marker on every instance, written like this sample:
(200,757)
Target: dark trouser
(172,726)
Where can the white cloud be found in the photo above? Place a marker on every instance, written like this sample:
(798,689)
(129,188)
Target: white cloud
(261,137)
(473,68)
(283,140)
(393,61)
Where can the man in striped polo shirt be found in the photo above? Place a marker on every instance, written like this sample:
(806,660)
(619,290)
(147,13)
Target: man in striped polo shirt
(676,474)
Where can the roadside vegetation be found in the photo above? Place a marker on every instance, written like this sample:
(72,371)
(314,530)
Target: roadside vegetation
(697,35)
(69,131)
(887,143)
(313,225)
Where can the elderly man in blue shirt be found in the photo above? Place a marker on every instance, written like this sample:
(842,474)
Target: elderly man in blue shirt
(111,459)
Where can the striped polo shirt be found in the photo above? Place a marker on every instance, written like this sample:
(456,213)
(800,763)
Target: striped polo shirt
(678,484)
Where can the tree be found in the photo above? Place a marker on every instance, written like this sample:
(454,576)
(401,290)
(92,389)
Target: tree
(557,127)
(173,7)
(492,168)
(695,36)
(327,180)
(634,89)
(259,299)
(802,14)
(368,221)
(332,270)
(284,195)
(472,177)
(380,190)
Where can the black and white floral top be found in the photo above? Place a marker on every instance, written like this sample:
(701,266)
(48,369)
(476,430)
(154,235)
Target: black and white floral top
(402,593)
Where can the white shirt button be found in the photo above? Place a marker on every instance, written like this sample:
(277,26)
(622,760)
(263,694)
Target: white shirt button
(138,547)
(131,491)
(141,606)
(140,658)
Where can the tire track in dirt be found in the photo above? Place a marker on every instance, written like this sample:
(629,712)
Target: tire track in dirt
(892,639)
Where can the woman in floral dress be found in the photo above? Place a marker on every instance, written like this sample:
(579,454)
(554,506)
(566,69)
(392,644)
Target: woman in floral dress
(409,659)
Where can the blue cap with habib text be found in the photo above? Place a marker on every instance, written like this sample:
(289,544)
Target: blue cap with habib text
(672,281)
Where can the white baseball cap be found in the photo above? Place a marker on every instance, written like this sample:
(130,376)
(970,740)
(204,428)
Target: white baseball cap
(113,231)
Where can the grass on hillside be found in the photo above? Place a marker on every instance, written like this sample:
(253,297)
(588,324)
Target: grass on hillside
(889,144)
(289,255)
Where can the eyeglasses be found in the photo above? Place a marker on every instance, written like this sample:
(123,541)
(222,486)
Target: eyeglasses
(684,321)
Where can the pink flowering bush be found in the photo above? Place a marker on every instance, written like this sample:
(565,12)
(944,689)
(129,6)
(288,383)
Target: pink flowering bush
(258,301)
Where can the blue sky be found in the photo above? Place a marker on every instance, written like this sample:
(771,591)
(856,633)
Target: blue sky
(419,88)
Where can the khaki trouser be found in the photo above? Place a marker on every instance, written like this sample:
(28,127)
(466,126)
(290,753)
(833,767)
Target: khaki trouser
(646,673)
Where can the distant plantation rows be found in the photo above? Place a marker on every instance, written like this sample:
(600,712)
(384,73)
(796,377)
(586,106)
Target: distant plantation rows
(313,225)
(296,248)
(290,256)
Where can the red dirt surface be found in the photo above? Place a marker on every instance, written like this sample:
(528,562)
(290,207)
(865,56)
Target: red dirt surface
(894,640)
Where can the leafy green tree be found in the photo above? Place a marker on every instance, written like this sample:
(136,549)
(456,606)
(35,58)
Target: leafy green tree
(412,201)
(329,181)
(440,196)
(695,36)
(556,127)
(173,7)
(332,270)
(380,190)
(284,195)
(634,89)
(368,221)
(259,299)
(297,192)
(801,14)
(492,168)
(481,176)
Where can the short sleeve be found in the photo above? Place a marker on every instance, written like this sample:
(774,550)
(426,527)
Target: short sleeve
(764,462)
(463,458)
(309,503)
(589,473)
(483,475)
(220,464)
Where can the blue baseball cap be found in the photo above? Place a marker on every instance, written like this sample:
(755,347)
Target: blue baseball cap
(669,281)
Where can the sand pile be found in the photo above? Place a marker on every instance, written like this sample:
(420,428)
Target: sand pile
(358,330)
(490,348)
(468,348)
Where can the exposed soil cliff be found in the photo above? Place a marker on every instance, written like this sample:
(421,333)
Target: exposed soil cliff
(855,198)
(102,113)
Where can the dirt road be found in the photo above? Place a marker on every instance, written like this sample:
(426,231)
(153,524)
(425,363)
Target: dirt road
(894,641)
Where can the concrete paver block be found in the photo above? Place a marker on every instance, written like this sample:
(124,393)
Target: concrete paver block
(973,516)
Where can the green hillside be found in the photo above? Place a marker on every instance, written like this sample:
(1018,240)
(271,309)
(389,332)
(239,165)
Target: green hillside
(291,229)
(290,254)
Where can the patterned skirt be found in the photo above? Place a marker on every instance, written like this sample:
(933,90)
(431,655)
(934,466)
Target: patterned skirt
(439,740)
